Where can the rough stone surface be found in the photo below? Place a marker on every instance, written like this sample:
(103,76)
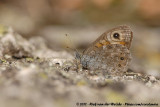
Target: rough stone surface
(32,75)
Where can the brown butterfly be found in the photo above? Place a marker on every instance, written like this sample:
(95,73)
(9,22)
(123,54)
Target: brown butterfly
(109,52)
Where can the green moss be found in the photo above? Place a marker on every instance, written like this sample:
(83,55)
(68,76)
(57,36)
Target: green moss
(115,97)
(109,81)
(81,83)
(43,75)
(3,60)
(3,30)
(29,59)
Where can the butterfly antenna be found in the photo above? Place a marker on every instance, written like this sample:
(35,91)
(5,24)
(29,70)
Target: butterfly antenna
(78,56)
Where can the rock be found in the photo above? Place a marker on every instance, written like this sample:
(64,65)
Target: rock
(13,44)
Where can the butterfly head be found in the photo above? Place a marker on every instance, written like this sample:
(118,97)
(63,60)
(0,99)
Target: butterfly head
(120,35)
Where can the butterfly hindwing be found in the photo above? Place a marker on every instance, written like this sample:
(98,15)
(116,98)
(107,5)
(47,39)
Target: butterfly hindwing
(109,52)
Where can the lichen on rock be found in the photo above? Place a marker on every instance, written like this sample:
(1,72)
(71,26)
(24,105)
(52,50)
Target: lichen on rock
(33,75)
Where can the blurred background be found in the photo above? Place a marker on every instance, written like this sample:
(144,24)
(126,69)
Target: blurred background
(85,20)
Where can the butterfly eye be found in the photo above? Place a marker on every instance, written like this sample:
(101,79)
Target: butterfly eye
(122,58)
(116,35)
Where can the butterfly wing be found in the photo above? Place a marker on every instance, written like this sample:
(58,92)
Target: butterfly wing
(110,51)
(110,58)
(107,38)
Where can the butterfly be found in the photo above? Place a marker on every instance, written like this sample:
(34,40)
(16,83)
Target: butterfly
(110,52)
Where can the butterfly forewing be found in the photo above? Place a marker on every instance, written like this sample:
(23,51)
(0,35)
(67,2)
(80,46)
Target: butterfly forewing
(110,52)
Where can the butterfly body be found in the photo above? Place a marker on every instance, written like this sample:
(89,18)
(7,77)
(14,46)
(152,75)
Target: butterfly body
(110,52)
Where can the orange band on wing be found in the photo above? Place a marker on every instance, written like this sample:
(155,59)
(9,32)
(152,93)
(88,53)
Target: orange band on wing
(106,43)
(101,44)
(122,43)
